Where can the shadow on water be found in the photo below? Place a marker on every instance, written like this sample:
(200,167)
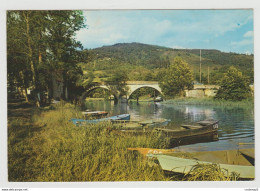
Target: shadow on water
(194,140)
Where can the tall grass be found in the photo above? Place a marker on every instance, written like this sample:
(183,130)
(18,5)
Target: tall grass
(210,102)
(57,150)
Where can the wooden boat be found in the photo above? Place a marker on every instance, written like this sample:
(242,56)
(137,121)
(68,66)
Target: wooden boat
(202,138)
(95,114)
(205,127)
(155,122)
(139,125)
(231,160)
(117,117)
(200,128)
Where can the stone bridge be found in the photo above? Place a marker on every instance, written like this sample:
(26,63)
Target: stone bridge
(132,86)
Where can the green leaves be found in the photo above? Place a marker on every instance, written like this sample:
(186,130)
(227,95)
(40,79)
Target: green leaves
(234,86)
(117,82)
(176,78)
(43,44)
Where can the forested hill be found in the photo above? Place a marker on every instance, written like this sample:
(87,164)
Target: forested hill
(150,56)
(132,55)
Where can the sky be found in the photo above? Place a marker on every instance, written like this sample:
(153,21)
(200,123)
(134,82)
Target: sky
(225,30)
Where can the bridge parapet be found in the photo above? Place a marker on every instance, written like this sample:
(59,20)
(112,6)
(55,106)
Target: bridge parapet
(196,87)
(142,83)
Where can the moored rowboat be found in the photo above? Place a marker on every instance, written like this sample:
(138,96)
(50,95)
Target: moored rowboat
(200,128)
(139,125)
(95,114)
(231,160)
(117,117)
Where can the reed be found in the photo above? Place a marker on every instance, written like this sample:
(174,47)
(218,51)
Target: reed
(210,172)
(210,102)
(51,148)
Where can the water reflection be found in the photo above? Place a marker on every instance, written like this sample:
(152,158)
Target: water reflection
(236,125)
(193,140)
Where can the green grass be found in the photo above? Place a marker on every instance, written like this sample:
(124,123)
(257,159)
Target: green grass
(50,148)
(210,102)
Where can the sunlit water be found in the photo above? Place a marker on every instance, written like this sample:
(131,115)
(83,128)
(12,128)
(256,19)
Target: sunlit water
(236,125)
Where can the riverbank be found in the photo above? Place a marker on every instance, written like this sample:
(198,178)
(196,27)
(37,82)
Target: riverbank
(209,102)
(47,147)
(43,145)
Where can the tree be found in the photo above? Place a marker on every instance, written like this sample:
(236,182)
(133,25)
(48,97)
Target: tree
(62,26)
(24,31)
(117,83)
(41,48)
(233,86)
(176,78)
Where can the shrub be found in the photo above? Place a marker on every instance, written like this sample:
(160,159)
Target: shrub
(234,86)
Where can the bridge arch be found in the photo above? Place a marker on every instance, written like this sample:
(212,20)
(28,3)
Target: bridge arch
(86,93)
(133,89)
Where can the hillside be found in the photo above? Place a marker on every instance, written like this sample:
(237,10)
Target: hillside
(137,58)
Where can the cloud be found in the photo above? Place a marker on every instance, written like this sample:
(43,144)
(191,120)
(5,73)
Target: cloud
(178,47)
(242,42)
(249,34)
(163,27)
(248,52)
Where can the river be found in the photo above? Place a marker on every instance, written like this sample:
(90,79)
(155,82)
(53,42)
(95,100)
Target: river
(236,124)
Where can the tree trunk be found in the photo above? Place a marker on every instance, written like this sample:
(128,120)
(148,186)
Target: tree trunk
(24,87)
(30,55)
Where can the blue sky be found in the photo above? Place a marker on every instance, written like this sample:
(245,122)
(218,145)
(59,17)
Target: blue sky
(225,30)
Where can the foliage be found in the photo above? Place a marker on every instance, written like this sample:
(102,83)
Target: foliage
(144,92)
(233,86)
(134,53)
(133,56)
(176,78)
(243,62)
(41,49)
(117,82)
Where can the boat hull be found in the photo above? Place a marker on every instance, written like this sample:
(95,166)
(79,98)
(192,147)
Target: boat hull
(132,125)
(189,131)
(117,117)
(94,114)
(235,163)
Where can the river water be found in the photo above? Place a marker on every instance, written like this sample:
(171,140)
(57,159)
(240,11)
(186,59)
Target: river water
(236,124)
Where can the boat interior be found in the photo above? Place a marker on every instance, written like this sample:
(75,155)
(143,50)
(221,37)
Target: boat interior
(235,157)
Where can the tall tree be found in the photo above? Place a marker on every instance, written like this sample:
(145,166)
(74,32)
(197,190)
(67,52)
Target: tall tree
(176,78)
(62,45)
(23,31)
(41,44)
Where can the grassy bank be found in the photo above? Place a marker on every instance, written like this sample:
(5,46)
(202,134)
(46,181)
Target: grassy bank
(46,146)
(210,102)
